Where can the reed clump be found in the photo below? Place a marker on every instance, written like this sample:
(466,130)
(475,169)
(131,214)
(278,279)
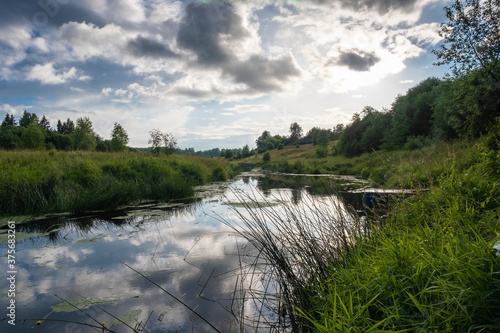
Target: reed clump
(42,182)
(298,242)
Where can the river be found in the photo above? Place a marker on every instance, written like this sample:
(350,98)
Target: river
(171,267)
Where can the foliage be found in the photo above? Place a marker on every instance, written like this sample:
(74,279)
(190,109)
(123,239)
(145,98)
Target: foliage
(33,137)
(266,157)
(364,134)
(9,120)
(65,128)
(160,141)
(430,267)
(41,182)
(119,138)
(471,37)
(28,118)
(83,137)
(295,131)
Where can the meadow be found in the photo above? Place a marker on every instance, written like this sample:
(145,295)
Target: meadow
(37,182)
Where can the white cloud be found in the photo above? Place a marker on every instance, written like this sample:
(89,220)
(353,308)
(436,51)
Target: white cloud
(46,74)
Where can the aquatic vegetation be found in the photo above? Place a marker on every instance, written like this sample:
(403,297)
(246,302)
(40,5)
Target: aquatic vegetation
(40,182)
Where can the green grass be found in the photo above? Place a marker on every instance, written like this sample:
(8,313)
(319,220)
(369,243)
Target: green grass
(42,182)
(402,169)
(431,267)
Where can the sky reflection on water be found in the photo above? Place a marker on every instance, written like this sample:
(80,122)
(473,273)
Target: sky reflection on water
(185,249)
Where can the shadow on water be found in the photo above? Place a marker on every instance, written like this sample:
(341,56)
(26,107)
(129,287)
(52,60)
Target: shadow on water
(192,250)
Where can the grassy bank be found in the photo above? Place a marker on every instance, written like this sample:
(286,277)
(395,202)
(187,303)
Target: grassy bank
(431,267)
(406,169)
(428,265)
(51,181)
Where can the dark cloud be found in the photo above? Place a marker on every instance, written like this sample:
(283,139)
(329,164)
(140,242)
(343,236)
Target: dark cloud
(357,61)
(264,75)
(381,6)
(149,48)
(201,28)
(43,14)
(208,27)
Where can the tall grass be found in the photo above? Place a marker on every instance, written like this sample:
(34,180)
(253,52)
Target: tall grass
(41,182)
(404,169)
(431,268)
(299,242)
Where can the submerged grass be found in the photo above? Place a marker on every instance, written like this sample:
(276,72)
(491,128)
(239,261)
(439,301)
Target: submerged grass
(41,182)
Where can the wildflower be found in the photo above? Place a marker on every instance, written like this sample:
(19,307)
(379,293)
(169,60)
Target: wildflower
(39,322)
(103,324)
(497,247)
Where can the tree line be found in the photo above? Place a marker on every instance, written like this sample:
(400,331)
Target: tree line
(30,132)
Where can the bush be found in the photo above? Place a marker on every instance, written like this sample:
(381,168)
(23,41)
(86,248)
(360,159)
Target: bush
(219,174)
(266,157)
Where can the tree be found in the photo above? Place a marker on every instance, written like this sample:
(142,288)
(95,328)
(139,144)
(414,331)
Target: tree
(9,120)
(159,140)
(28,118)
(471,37)
(260,142)
(65,128)
(33,137)
(83,137)
(295,131)
(44,123)
(119,138)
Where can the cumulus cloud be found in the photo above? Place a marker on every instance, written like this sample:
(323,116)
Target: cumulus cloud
(358,61)
(149,48)
(216,34)
(46,74)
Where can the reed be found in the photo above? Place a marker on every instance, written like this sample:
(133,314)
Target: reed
(42,182)
(299,243)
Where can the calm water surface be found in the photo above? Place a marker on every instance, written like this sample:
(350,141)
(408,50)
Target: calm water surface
(184,248)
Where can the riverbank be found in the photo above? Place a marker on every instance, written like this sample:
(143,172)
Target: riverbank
(390,169)
(431,266)
(37,182)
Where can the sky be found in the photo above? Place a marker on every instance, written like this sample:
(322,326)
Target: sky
(212,73)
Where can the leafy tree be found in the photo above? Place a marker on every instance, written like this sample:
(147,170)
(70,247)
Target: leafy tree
(10,137)
(162,141)
(33,137)
(83,137)
(260,142)
(411,114)
(119,138)
(245,151)
(57,140)
(295,131)
(364,133)
(156,141)
(266,157)
(323,137)
(170,143)
(44,123)
(65,128)
(9,120)
(28,118)
(471,37)
(337,130)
